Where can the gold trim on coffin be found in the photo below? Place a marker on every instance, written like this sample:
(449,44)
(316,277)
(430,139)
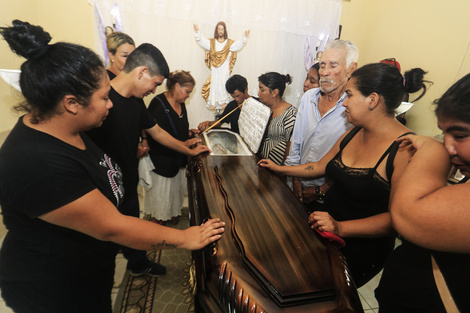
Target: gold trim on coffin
(232,295)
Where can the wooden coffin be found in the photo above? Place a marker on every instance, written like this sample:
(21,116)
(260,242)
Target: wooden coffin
(268,260)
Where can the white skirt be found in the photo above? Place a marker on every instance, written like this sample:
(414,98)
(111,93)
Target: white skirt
(164,199)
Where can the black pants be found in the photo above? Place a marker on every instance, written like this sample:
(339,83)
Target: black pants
(90,294)
(136,259)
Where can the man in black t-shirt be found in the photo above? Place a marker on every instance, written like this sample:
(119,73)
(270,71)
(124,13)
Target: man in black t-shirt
(119,136)
(237,87)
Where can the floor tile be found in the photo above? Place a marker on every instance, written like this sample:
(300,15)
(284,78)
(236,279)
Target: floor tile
(364,303)
(367,292)
(119,272)
(4,308)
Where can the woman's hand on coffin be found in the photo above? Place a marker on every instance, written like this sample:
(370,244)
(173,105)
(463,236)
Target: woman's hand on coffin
(324,222)
(198,237)
(269,165)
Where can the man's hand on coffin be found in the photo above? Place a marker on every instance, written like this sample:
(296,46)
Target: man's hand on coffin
(199,149)
(324,222)
(192,142)
(198,237)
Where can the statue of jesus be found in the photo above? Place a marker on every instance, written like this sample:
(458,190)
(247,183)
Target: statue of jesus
(221,55)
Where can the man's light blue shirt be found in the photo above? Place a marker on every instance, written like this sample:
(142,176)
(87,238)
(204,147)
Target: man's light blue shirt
(314,135)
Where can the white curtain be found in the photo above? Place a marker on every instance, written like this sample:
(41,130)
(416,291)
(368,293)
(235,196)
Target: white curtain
(280,30)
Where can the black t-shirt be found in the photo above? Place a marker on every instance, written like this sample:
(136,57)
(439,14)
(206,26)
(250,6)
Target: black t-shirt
(119,136)
(38,174)
(167,162)
(232,118)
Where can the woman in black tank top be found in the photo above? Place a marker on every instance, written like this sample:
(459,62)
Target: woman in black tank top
(363,164)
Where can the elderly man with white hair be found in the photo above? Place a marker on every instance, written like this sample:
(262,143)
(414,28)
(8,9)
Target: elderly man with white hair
(321,119)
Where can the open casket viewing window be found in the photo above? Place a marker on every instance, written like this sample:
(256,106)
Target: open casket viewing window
(254,118)
(225,142)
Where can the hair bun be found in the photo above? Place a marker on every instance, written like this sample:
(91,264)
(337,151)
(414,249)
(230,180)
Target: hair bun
(288,79)
(108,30)
(26,40)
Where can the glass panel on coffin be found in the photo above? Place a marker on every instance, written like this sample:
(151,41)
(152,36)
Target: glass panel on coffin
(254,118)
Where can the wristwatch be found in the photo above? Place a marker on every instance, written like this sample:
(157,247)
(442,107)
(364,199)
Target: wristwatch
(320,195)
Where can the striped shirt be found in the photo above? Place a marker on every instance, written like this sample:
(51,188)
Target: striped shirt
(279,134)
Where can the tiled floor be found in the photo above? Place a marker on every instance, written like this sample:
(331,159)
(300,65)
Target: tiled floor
(366,292)
(120,270)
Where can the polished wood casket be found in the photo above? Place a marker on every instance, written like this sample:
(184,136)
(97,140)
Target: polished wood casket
(269,259)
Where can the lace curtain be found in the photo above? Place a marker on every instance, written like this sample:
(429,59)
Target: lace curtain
(280,32)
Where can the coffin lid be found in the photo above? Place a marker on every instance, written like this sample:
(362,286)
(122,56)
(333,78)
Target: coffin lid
(253,120)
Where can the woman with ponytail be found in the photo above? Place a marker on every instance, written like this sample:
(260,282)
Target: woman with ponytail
(363,164)
(275,145)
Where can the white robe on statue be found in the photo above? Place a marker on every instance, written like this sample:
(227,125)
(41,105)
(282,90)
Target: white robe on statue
(218,96)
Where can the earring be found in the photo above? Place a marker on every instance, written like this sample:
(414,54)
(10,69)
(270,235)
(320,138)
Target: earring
(371,108)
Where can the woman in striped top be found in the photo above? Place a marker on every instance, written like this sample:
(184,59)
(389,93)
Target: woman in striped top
(277,140)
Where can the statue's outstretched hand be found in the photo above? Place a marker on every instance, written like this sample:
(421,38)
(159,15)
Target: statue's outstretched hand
(247,33)
(196,28)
